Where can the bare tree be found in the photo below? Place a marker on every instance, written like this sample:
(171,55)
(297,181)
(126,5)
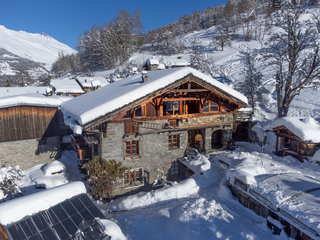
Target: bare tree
(294,53)
(251,86)
(222,37)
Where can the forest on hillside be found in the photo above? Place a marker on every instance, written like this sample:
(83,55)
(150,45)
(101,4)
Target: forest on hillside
(111,45)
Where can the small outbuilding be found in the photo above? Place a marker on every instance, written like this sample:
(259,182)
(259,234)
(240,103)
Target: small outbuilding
(296,136)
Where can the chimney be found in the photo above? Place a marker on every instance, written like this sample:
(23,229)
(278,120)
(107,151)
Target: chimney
(144,76)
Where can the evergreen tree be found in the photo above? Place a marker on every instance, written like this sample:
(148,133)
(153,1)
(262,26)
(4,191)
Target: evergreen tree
(104,176)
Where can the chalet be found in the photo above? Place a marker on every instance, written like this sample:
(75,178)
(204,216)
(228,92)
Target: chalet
(296,136)
(63,212)
(147,121)
(151,64)
(30,129)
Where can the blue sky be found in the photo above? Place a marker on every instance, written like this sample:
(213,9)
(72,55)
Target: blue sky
(65,20)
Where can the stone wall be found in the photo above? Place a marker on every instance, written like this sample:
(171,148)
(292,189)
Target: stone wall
(27,153)
(155,155)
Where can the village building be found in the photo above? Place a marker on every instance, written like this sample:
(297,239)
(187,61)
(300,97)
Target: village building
(90,84)
(153,64)
(30,128)
(146,122)
(67,87)
(63,213)
(296,136)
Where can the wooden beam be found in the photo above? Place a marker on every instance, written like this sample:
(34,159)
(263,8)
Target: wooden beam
(189,90)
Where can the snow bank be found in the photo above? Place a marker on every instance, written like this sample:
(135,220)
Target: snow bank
(47,175)
(112,229)
(16,209)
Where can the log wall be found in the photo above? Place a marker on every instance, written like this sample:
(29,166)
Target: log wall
(28,122)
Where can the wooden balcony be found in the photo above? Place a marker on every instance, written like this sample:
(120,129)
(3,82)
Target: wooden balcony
(77,139)
(84,153)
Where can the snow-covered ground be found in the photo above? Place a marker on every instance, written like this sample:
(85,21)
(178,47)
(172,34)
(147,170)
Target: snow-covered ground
(201,207)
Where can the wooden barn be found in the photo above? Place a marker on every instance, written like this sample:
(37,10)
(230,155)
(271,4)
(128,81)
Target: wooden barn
(296,136)
(30,132)
(147,121)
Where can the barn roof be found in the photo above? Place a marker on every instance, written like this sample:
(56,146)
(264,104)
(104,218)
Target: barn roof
(32,99)
(307,129)
(90,106)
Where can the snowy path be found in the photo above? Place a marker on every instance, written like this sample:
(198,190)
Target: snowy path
(211,214)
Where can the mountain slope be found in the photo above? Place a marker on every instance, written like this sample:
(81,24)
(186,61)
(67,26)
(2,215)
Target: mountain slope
(27,52)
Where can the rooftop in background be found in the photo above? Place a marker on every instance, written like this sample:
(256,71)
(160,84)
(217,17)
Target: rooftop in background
(32,99)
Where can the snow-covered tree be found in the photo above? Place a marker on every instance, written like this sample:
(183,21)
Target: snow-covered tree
(251,86)
(200,62)
(293,51)
(222,36)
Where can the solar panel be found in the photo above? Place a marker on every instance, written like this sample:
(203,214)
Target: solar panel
(72,219)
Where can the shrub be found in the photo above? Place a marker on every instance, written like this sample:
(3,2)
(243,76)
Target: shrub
(104,176)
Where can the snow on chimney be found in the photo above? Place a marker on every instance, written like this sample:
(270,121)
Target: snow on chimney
(144,76)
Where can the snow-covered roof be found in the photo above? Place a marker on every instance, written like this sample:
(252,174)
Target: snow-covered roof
(16,209)
(90,106)
(32,99)
(151,61)
(175,62)
(278,186)
(9,91)
(307,129)
(88,81)
(66,85)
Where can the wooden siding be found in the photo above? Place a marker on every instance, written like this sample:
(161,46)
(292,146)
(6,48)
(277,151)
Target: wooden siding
(3,233)
(28,122)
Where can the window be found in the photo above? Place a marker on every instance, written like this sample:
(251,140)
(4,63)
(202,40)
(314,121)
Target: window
(172,107)
(133,177)
(132,149)
(210,107)
(173,141)
(174,170)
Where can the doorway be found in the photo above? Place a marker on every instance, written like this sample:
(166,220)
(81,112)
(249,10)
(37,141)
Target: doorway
(216,139)
(195,139)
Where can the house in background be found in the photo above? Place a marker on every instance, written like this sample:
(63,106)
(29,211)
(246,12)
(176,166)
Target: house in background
(296,136)
(67,87)
(151,64)
(90,84)
(146,122)
(63,212)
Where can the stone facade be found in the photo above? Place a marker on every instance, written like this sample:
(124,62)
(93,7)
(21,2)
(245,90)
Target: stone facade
(27,153)
(155,156)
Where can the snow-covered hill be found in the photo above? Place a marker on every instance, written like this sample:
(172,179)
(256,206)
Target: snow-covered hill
(28,52)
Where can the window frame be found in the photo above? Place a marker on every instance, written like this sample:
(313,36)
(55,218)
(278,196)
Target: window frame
(171,143)
(209,107)
(129,156)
